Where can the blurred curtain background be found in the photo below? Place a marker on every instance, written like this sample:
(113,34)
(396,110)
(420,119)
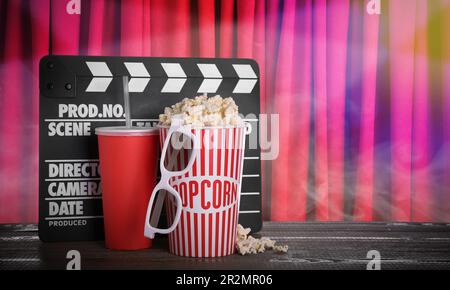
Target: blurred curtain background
(364,100)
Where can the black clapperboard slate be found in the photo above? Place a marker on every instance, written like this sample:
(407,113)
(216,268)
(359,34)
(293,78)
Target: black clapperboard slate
(80,93)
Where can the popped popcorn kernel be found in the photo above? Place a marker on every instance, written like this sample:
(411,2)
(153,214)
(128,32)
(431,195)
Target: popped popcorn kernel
(281,249)
(246,244)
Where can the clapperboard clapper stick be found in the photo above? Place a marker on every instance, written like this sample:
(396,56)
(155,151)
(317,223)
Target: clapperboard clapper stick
(80,93)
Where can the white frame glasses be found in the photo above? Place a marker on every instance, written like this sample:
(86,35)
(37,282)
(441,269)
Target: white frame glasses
(166,175)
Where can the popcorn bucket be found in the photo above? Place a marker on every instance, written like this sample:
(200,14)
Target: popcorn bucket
(209,189)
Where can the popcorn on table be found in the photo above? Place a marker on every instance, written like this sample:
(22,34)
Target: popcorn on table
(203,111)
(246,244)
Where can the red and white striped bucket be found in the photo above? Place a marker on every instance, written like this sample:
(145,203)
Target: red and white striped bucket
(210,192)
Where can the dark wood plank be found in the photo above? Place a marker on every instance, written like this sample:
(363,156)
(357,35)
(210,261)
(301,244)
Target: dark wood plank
(311,246)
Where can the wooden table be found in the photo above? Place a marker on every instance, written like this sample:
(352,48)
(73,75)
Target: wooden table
(311,246)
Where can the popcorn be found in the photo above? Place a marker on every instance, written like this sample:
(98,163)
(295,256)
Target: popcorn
(281,249)
(241,233)
(246,244)
(203,111)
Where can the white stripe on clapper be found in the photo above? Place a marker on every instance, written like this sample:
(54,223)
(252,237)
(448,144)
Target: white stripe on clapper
(139,76)
(247,78)
(102,76)
(213,78)
(176,78)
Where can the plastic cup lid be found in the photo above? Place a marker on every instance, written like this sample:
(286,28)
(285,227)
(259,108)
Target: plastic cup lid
(126,131)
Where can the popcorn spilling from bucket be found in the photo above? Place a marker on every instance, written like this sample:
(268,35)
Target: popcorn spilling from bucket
(246,244)
(203,111)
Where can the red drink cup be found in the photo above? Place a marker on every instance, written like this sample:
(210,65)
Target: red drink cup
(128,158)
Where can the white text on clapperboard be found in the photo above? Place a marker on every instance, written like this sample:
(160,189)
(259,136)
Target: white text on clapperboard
(70,185)
(75,120)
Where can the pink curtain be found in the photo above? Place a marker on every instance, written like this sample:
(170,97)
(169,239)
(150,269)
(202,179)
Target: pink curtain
(363,99)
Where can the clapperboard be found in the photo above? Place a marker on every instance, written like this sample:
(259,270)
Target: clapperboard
(80,93)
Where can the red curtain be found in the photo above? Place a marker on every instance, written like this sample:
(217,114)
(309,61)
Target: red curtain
(363,99)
